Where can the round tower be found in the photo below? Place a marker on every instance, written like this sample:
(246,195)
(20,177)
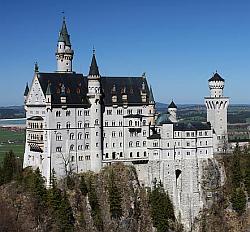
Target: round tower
(95,97)
(64,53)
(217,105)
(172,110)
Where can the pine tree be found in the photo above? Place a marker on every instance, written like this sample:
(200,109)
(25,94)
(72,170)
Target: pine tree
(83,186)
(161,209)
(238,200)
(115,198)
(237,177)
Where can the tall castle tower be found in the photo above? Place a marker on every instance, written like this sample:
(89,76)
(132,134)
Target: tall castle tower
(64,53)
(172,109)
(217,106)
(95,98)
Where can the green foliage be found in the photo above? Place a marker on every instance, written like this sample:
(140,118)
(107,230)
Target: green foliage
(161,209)
(11,168)
(83,186)
(238,200)
(61,210)
(95,207)
(115,198)
(237,177)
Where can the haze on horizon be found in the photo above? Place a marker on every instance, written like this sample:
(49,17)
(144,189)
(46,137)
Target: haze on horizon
(179,44)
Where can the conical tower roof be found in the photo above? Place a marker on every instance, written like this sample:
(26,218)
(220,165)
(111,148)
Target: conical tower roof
(216,77)
(63,35)
(93,70)
(172,105)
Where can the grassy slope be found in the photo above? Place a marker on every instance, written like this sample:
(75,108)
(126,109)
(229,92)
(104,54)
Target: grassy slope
(17,139)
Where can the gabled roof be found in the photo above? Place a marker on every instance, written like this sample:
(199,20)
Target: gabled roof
(216,77)
(63,35)
(93,70)
(76,88)
(172,105)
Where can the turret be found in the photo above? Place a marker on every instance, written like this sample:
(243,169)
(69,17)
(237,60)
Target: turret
(217,105)
(216,85)
(95,97)
(64,53)
(172,110)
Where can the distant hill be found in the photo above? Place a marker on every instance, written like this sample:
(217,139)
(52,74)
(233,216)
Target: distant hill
(12,112)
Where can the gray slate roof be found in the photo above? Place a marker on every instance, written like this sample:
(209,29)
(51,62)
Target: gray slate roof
(76,88)
(216,77)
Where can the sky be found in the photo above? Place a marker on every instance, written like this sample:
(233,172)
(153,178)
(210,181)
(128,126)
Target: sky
(178,43)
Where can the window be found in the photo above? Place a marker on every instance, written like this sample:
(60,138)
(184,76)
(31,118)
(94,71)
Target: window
(113,123)
(188,152)
(121,154)
(130,144)
(120,123)
(106,145)
(58,149)
(144,122)
(144,143)
(68,113)
(96,133)
(192,134)
(119,112)
(205,133)
(79,124)
(71,148)
(120,144)
(86,146)
(58,137)
(68,125)
(200,133)
(106,123)
(188,144)
(96,144)
(58,113)
(58,125)
(86,112)
(86,124)
(96,122)
(137,144)
(79,113)
(109,112)
(107,155)
(80,158)
(145,153)
(206,142)
(139,111)
(130,123)
(79,147)
(120,133)
(138,154)
(71,136)
(155,144)
(113,144)
(188,134)
(79,136)
(131,154)
(113,134)
(86,135)
(87,157)
(130,111)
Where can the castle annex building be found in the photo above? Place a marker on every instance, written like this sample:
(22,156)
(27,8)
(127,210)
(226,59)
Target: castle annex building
(77,123)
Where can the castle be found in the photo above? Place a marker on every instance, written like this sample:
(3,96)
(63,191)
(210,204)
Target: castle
(77,123)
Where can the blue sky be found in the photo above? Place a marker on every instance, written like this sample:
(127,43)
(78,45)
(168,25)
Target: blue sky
(178,43)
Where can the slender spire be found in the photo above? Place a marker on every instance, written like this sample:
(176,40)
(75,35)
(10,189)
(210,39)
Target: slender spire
(64,35)
(36,69)
(48,91)
(151,96)
(93,70)
(26,91)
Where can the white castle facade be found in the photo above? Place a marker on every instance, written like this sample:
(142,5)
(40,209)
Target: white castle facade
(77,123)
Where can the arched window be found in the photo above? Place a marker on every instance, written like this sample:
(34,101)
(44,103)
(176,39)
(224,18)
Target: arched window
(130,123)
(68,113)
(71,148)
(79,124)
(130,144)
(71,136)
(96,122)
(68,125)
(137,143)
(79,136)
